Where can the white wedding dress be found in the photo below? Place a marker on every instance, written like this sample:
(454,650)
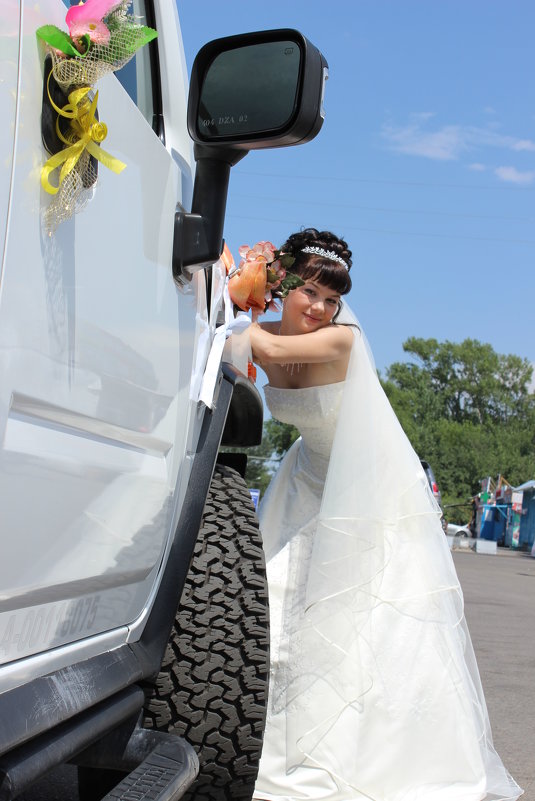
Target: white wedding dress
(374,692)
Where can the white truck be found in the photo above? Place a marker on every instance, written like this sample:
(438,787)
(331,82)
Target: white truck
(133,603)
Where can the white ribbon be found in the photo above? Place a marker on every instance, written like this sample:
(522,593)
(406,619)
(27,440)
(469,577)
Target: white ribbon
(231,325)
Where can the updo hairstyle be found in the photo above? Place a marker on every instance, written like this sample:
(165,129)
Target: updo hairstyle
(330,273)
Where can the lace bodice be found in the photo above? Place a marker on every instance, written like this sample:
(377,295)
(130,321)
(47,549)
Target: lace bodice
(312,410)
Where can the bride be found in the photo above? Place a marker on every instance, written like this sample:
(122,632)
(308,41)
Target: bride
(375,692)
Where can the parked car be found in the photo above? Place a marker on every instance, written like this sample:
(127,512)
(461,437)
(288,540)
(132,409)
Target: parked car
(432,481)
(434,488)
(455,530)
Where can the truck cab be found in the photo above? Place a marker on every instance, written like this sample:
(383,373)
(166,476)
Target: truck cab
(112,488)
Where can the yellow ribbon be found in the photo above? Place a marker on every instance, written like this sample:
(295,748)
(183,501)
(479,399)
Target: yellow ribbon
(87,131)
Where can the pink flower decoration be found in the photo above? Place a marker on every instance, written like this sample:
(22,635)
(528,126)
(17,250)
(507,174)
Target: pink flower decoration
(273,306)
(277,268)
(87,17)
(262,251)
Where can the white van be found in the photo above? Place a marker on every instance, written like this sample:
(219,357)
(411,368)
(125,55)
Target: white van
(122,626)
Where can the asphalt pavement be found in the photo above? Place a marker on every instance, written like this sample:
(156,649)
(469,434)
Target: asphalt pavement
(500,608)
(499,594)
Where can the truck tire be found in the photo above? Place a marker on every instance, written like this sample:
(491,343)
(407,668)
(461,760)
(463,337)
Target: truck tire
(213,683)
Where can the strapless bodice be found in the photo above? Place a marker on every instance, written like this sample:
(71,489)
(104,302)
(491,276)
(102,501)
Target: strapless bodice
(312,410)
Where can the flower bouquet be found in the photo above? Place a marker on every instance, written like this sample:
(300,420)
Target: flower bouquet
(261,277)
(102,37)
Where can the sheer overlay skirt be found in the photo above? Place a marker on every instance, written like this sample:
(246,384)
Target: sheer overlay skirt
(375,691)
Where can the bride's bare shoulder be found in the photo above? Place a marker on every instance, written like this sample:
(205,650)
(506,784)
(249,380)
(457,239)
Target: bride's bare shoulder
(341,334)
(346,331)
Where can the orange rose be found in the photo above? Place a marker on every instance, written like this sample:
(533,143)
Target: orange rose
(227,259)
(247,287)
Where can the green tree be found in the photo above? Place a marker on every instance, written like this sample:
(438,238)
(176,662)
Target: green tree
(280,435)
(466,381)
(466,409)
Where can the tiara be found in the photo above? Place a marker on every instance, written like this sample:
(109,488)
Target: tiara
(327,254)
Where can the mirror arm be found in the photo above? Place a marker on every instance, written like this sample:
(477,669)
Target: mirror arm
(198,235)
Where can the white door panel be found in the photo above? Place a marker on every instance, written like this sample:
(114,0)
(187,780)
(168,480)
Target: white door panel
(9,69)
(95,391)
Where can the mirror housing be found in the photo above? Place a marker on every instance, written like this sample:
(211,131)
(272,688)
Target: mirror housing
(255,90)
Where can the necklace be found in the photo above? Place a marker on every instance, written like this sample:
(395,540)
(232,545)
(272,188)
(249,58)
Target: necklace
(292,365)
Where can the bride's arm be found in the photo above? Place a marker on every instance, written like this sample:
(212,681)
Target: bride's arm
(328,344)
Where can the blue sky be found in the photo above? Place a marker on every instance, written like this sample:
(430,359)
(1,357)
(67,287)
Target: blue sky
(425,162)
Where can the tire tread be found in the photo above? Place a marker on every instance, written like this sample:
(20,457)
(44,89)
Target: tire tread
(212,687)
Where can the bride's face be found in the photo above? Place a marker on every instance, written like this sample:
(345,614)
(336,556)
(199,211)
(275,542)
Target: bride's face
(309,307)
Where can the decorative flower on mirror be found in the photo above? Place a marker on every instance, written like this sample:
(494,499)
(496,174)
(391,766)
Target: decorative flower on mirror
(103,36)
(261,278)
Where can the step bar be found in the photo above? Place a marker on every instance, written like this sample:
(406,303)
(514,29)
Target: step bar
(160,766)
(164,775)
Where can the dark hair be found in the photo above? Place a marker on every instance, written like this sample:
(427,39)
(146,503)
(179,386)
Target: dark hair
(308,265)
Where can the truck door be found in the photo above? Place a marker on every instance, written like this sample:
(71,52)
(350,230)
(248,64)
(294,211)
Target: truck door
(96,352)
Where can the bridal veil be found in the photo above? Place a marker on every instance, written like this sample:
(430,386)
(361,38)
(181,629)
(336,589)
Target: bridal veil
(388,697)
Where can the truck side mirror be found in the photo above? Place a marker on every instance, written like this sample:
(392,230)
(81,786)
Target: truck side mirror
(255,90)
